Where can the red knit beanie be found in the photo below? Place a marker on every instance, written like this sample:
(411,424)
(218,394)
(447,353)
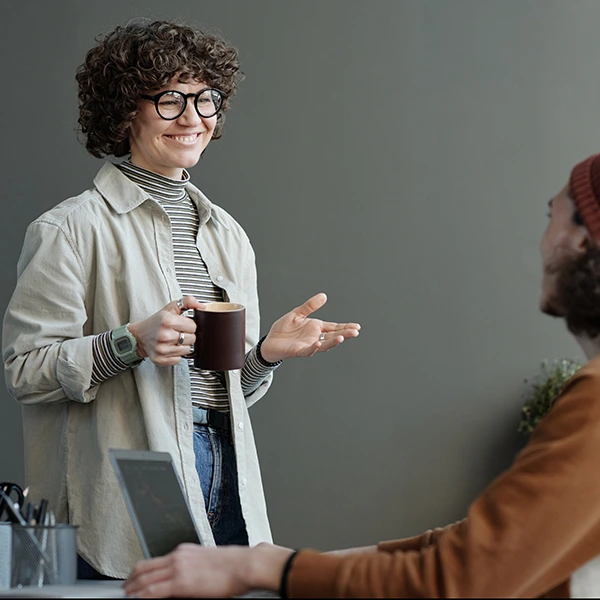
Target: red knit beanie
(584,188)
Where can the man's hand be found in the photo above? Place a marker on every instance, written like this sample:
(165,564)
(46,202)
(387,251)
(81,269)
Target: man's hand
(193,571)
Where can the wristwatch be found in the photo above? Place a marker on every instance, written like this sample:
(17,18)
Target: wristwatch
(124,346)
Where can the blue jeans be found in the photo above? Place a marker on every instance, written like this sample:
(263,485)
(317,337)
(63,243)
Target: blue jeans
(217,470)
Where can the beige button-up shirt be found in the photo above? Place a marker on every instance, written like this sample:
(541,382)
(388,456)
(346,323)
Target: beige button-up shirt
(93,263)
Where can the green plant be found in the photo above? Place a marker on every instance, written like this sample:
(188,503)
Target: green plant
(544,390)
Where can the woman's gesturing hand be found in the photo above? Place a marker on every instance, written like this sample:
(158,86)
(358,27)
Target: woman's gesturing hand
(295,334)
(167,335)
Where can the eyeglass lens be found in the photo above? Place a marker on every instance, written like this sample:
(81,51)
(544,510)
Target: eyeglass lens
(172,104)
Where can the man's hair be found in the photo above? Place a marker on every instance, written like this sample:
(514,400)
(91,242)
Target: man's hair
(578,292)
(139,58)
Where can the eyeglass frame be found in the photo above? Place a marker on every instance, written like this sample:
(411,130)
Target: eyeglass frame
(156,97)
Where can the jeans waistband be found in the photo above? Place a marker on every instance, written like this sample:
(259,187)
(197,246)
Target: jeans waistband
(211,417)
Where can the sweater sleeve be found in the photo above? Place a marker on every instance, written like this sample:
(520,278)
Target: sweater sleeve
(529,530)
(418,542)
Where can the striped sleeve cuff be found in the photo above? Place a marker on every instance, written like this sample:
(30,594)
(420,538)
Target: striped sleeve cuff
(105,363)
(255,371)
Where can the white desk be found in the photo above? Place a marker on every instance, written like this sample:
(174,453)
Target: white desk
(92,589)
(82,589)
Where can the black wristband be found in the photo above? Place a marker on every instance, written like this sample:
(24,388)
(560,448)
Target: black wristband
(260,356)
(285,573)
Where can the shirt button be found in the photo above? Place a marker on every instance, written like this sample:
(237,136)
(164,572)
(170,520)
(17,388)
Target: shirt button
(244,481)
(219,277)
(240,425)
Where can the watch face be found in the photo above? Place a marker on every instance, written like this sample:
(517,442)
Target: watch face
(123,345)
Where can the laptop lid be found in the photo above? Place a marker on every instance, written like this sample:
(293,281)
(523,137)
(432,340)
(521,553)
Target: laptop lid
(155,500)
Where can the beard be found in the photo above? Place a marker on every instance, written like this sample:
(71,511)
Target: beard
(576,296)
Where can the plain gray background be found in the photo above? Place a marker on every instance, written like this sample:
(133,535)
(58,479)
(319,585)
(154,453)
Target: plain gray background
(397,155)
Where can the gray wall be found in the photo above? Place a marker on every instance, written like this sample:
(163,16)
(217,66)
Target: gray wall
(397,155)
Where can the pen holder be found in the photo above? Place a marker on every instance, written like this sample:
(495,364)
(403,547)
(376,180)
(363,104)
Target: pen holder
(44,555)
(5,554)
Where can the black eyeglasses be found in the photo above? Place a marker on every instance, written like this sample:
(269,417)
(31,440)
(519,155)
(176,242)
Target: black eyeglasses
(171,104)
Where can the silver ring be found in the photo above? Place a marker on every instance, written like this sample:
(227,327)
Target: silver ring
(180,340)
(321,337)
(180,304)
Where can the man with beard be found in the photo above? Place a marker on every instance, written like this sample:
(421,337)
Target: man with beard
(535,530)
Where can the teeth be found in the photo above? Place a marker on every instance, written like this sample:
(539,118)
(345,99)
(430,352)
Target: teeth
(184,138)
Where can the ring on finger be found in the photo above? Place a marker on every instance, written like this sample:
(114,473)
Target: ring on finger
(181,337)
(321,337)
(180,304)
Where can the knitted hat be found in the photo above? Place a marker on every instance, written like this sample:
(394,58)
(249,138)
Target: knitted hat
(584,187)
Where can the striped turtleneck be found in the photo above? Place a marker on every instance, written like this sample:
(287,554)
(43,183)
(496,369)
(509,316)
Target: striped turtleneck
(207,387)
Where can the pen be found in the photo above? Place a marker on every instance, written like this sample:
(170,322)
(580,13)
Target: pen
(40,515)
(29,513)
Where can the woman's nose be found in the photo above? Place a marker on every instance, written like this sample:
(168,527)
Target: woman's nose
(190,115)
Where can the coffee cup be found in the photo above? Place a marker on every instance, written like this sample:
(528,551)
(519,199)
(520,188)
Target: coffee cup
(220,336)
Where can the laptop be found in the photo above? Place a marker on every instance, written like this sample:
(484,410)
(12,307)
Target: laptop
(155,500)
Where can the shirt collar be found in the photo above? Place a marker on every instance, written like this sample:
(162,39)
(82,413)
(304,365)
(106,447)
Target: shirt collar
(124,195)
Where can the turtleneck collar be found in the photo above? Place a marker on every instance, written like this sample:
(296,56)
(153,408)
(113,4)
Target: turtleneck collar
(158,186)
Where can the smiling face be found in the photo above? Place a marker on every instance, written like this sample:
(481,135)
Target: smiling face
(563,243)
(168,147)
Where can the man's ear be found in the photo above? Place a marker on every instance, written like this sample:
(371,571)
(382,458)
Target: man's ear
(582,240)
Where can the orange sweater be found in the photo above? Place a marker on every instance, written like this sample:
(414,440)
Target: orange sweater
(527,534)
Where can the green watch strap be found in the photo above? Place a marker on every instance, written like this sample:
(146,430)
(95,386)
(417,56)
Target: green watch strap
(124,346)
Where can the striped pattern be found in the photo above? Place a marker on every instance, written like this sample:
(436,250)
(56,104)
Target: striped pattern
(208,387)
(105,364)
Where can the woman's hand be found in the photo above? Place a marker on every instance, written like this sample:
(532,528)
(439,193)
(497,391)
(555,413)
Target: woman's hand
(193,571)
(167,335)
(295,334)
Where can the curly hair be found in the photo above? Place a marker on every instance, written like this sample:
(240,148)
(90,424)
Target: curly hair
(141,57)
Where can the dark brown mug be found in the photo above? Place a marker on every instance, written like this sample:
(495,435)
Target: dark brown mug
(220,336)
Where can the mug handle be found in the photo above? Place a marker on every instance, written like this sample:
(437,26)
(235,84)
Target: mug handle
(192,354)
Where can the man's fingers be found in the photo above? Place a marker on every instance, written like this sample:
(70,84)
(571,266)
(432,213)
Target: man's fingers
(148,573)
(311,305)
(152,564)
(157,588)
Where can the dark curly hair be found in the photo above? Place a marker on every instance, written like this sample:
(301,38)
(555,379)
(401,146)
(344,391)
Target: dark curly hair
(139,58)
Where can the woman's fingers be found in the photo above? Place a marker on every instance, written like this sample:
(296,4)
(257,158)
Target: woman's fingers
(330,327)
(311,305)
(181,305)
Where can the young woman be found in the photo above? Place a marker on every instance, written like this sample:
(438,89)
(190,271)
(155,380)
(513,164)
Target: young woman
(96,335)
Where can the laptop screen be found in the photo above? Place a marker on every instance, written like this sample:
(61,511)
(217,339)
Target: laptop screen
(155,500)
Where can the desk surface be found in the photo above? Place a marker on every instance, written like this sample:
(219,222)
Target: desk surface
(82,589)
(92,589)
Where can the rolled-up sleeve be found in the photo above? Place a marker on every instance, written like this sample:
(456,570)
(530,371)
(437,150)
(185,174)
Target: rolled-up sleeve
(250,287)
(46,356)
